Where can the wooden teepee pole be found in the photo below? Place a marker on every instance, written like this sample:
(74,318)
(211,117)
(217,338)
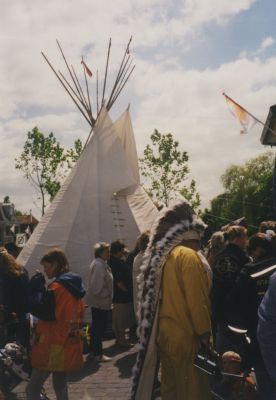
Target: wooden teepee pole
(83,101)
(97,94)
(68,68)
(123,61)
(118,80)
(106,70)
(79,85)
(67,90)
(124,73)
(122,66)
(117,94)
(71,88)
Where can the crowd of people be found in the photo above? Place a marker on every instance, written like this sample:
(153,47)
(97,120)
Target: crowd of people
(54,333)
(185,299)
(242,319)
(219,303)
(57,312)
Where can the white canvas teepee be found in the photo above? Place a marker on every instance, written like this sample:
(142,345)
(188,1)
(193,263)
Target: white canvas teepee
(101,200)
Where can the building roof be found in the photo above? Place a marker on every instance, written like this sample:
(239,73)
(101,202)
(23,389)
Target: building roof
(27,219)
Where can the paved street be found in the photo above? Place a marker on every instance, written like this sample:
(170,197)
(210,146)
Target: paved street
(109,380)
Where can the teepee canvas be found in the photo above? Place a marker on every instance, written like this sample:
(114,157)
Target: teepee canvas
(101,200)
(140,204)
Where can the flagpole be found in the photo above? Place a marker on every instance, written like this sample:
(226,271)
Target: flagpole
(87,90)
(251,115)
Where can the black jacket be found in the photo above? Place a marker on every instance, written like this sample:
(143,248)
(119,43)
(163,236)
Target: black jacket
(121,273)
(14,293)
(244,300)
(228,264)
(248,292)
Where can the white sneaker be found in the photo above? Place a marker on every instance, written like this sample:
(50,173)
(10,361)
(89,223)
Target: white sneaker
(103,358)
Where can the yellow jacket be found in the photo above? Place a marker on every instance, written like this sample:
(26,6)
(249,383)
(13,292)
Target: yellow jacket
(184,308)
(184,316)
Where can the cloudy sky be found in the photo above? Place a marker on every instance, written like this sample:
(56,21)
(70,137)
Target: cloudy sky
(187,52)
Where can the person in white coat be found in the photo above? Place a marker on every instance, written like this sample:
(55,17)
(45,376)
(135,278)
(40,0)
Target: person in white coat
(99,297)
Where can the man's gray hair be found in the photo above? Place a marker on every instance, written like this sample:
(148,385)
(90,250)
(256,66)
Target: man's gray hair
(99,248)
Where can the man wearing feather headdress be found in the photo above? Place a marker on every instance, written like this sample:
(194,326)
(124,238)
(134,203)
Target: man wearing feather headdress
(174,312)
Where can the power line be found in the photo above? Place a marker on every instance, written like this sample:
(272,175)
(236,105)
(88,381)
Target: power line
(228,220)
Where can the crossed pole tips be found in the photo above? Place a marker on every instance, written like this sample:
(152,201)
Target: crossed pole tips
(81,93)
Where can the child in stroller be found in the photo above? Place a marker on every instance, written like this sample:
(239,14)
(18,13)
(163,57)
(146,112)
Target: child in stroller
(228,381)
(15,367)
(235,384)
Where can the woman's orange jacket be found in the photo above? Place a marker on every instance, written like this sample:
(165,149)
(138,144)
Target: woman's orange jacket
(58,344)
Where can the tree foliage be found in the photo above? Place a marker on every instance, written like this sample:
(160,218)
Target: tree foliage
(190,193)
(74,153)
(45,163)
(248,192)
(165,168)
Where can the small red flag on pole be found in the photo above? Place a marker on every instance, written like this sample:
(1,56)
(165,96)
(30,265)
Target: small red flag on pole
(88,71)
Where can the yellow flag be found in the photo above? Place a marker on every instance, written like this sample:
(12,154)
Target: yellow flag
(246,120)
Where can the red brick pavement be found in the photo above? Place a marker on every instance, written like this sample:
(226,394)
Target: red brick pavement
(109,380)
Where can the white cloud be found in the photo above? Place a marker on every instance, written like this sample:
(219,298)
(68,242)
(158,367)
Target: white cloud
(166,95)
(189,104)
(201,11)
(265,44)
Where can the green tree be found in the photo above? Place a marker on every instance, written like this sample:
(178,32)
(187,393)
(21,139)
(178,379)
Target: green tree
(190,193)
(44,163)
(247,192)
(74,153)
(165,168)
(18,213)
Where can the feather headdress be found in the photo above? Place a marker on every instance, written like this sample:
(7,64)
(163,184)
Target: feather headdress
(169,231)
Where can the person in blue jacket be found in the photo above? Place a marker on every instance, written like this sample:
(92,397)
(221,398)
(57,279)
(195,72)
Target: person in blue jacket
(266,335)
